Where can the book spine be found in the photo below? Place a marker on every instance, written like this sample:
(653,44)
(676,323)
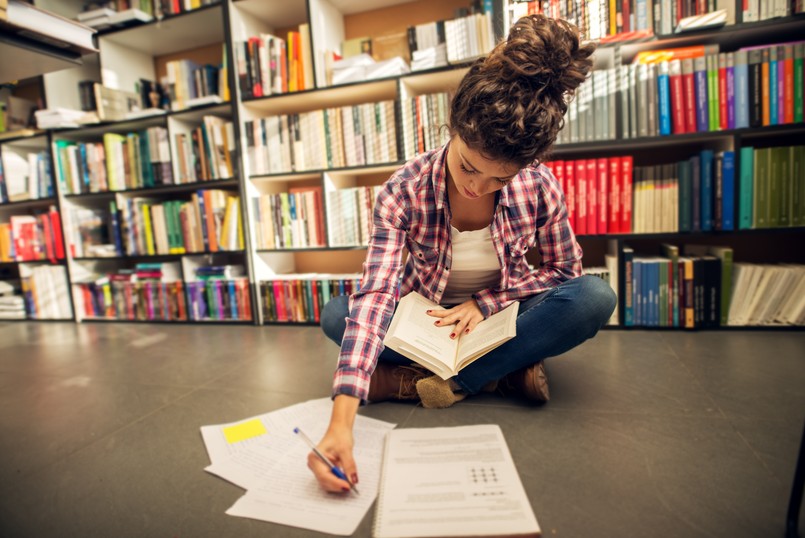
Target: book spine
(741,91)
(677,99)
(730,97)
(702,109)
(664,99)
(755,88)
(747,168)
(707,190)
(728,191)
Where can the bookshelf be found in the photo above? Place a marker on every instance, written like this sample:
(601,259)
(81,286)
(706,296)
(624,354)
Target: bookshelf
(277,250)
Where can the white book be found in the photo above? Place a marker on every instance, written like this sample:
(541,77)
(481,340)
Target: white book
(412,333)
(455,481)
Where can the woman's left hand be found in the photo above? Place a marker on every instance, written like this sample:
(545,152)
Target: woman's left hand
(464,316)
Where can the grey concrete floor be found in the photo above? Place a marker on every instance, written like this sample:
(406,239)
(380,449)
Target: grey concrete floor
(648,433)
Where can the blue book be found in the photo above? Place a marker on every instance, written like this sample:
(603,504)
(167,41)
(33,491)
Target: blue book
(772,97)
(641,7)
(637,291)
(745,196)
(741,90)
(233,300)
(664,99)
(702,103)
(728,191)
(707,190)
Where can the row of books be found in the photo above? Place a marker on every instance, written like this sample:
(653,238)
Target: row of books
(767,295)
(131,161)
(423,118)
(349,215)
(209,222)
(25,177)
(300,298)
(207,152)
(706,288)
(697,194)
(691,89)
(268,64)
(771,188)
(673,290)
(219,300)
(637,18)
(331,138)
(12,307)
(45,291)
(36,237)
(293,219)
(598,193)
(146,300)
(190,84)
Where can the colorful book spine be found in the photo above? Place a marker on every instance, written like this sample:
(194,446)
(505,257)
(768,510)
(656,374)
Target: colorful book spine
(664,98)
(702,107)
(741,90)
(728,191)
(707,157)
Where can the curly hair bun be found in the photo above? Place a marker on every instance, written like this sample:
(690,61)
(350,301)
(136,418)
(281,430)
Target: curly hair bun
(511,104)
(543,52)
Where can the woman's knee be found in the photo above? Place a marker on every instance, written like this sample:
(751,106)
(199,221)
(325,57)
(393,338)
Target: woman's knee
(333,318)
(597,298)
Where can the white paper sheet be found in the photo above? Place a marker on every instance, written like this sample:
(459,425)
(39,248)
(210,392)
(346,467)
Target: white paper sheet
(273,468)
(457,481)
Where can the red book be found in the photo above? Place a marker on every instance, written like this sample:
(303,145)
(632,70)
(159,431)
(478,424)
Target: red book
(581,196)
(627,164)
(679,125)
(722,92)
(627,24)
(314,291)
(688,96)
(602,190)
(570,194)
(614,209)
(788,70)
(592,197)
(47,233)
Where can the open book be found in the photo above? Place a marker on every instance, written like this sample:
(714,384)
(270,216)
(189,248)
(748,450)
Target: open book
(412,333)
(455,481)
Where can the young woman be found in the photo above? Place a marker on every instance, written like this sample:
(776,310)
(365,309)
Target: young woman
(466,214)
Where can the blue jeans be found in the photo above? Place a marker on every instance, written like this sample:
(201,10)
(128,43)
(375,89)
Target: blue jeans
(548,324)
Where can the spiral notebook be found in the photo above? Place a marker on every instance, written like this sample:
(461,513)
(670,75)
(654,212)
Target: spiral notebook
(456,481)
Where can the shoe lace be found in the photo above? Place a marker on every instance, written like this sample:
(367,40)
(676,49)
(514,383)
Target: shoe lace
(409,375)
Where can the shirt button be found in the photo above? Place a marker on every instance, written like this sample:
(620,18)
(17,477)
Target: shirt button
(440,290)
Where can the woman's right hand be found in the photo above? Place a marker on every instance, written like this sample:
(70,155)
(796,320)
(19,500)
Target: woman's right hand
(337,445)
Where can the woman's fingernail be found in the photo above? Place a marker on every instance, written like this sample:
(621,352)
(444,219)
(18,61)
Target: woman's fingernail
(437,322)
(452,335)
(428,311)
(354,478)
(466,331)
(345,489)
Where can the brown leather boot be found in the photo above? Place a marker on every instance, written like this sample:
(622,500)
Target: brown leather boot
(529,383)
(394,382)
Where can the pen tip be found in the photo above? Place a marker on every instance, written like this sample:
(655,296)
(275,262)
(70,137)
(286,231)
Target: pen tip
(296,430)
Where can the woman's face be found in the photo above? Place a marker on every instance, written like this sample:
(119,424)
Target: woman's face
(473,175)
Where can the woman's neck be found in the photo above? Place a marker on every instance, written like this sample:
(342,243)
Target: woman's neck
(469,214)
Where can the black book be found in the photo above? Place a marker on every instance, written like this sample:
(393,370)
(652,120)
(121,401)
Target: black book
(755,88)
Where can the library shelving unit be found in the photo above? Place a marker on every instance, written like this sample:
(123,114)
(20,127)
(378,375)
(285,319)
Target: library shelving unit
(304,161)
(151,204)
(29,218)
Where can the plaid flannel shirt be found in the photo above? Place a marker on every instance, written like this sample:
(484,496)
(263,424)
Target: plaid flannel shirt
(412,214)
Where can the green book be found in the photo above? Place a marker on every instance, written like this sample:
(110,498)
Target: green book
(663,292)
(672,253)
(712,92)
(761,188)
(747,170)
(797,187)
(725,254)
(775,171)
(799,73)
(786,181)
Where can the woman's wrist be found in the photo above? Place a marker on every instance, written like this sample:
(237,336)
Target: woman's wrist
(345,408)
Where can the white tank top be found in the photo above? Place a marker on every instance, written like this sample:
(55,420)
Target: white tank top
(475,265)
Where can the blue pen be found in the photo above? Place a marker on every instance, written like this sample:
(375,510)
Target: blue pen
(335,469)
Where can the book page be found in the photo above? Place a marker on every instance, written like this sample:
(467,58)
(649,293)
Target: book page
(412,332)
(487,335)
(458,481)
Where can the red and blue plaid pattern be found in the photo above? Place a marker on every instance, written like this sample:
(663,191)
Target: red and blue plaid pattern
(412,215)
